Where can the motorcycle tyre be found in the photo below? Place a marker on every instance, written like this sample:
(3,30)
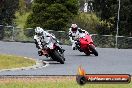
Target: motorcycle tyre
(58,57)
(92,48)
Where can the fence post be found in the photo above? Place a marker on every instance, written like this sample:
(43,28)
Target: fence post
(12,33)
(118,19)
(1,32)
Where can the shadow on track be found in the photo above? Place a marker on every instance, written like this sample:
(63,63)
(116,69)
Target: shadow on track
(54,63)
(84,55)
(50,61)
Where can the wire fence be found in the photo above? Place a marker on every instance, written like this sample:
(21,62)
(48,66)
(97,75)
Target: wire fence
(10,33)
(109,41)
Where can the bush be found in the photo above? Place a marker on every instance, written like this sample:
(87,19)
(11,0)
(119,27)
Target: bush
(87,21)
(104,28)
(53,14)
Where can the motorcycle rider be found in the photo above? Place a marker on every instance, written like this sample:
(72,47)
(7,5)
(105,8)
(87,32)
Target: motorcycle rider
(74,33)
(43,39)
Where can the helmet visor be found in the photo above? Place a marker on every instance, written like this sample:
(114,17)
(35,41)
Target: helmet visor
(74,29)
(40,34)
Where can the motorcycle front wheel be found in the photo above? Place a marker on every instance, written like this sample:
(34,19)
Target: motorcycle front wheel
(94,51)
(58,57)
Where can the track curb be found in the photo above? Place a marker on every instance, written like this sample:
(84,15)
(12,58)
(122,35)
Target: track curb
(39,64)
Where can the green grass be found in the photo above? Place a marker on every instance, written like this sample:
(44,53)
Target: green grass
(10,61)
(54,83)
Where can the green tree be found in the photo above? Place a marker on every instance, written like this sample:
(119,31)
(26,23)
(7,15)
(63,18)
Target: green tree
(7,11)
(22,6)
(125,24)
(1,9)
(52,14)
(81,4)
(107,10)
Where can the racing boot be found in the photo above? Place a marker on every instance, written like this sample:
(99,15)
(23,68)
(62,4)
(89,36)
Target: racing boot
(74,48)
(40,53)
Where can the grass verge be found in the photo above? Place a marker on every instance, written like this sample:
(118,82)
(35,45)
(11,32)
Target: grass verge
(10,61)
(53,82)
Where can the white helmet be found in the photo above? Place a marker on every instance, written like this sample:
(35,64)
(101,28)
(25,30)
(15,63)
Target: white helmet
(39,31)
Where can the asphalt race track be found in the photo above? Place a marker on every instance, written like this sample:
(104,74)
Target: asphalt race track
(110,60)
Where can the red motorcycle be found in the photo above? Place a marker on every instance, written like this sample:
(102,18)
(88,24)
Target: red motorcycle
(86,45)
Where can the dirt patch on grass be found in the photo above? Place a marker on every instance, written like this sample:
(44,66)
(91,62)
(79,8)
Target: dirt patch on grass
(34,79)
(37,79)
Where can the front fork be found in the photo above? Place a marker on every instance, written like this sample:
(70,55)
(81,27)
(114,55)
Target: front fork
(60,49)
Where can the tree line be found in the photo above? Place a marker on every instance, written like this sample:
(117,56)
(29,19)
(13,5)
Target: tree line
(7,11)
(58,14)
